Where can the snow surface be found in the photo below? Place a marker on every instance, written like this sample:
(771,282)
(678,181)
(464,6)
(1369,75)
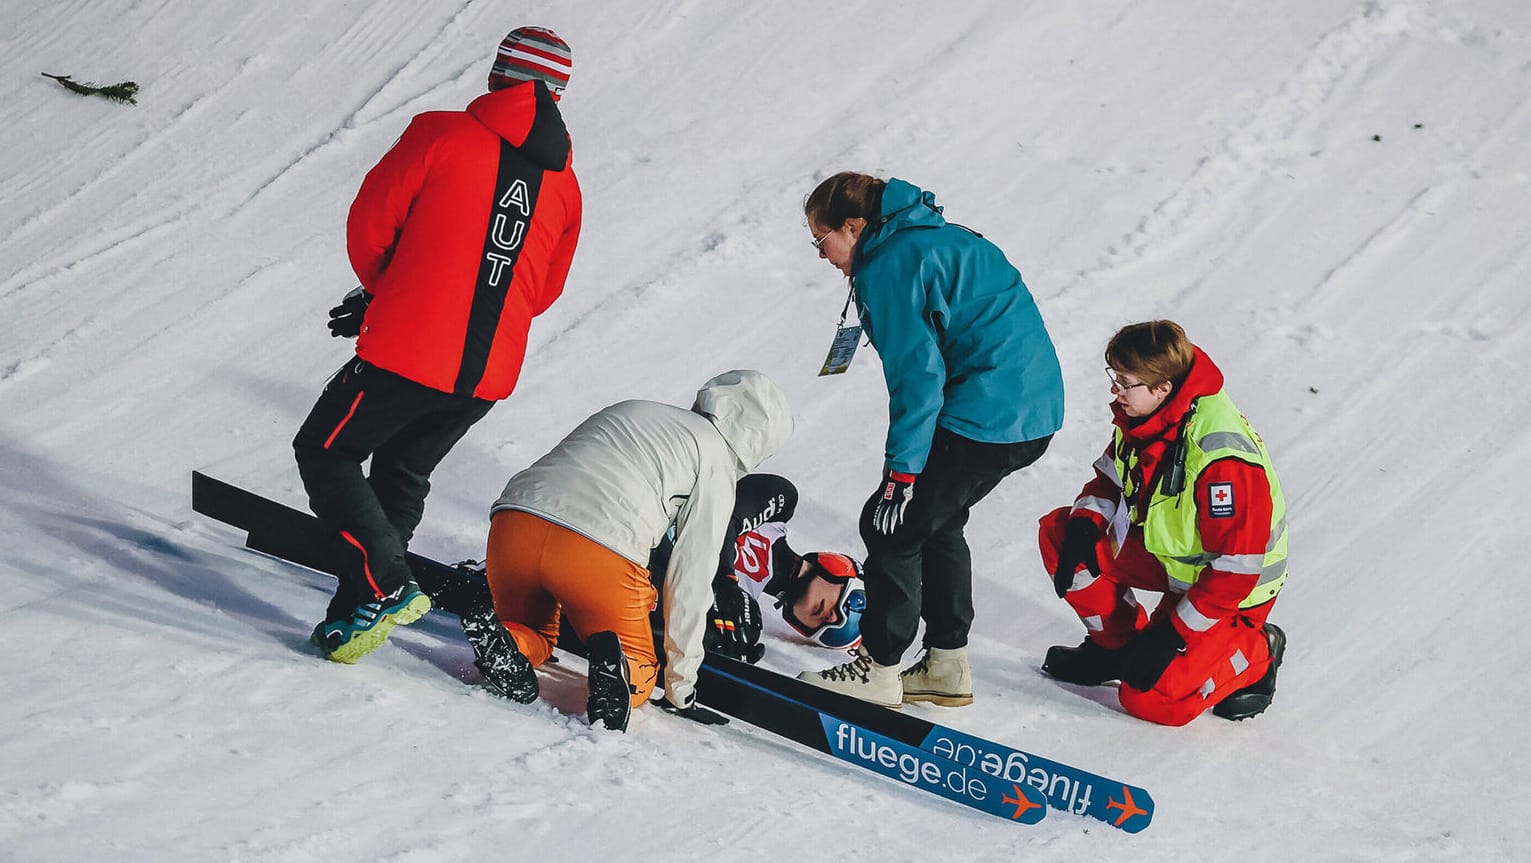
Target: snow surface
(1334,197)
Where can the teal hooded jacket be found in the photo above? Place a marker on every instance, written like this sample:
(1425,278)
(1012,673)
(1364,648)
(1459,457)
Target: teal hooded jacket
(962,344)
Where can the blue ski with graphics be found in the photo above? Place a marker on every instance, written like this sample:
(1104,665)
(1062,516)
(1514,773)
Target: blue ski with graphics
(724,682)
(985,775)
(858,733)
(1125,807)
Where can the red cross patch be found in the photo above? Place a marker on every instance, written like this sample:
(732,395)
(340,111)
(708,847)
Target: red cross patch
(1220,500)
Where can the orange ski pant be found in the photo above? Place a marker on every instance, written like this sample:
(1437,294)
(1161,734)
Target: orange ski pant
(1229,656)
(536,568)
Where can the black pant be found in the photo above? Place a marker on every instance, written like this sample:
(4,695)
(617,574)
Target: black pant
(924,570)
(407,429)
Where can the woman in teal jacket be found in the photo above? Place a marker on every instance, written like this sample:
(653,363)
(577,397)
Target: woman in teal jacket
(975,393)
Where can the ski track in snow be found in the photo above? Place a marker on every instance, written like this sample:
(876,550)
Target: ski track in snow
(1262,145)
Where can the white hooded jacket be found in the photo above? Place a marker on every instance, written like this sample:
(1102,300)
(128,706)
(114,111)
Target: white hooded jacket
(633,469)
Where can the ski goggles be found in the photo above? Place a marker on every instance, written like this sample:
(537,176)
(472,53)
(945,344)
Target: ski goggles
(843,629)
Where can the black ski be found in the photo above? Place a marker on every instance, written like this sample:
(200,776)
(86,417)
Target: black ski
(297,536)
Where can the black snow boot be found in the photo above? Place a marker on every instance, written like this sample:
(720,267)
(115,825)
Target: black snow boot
(610,698)
(506,669)
(1089,664)
(1254,698)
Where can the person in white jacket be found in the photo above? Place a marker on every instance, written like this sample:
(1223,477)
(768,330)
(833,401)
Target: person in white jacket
(574,530)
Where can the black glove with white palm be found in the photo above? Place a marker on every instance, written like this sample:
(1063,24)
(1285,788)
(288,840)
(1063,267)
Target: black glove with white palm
(734,623)
(893,498)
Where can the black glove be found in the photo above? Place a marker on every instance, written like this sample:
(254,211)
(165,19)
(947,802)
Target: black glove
(694,712)
(734,624)
(346,318)
(1148,653)
(1079,539)
(892,500)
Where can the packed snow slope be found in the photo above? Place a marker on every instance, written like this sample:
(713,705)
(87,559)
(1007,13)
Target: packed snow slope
(1334,197)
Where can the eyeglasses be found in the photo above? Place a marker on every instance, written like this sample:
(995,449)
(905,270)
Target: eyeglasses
(818,242)
(1116,382)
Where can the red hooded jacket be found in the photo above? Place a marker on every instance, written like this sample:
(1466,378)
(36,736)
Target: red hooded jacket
(463,233)
(1216,593)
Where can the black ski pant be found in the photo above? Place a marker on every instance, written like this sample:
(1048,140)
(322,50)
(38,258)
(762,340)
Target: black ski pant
(407,429)
(924,570)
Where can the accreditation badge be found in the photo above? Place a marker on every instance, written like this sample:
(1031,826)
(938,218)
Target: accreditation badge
(842,350)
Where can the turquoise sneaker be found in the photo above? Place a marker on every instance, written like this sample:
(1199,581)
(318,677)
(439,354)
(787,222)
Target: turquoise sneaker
(368,626)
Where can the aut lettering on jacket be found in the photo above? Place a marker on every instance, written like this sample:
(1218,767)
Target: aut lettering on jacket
(512,212)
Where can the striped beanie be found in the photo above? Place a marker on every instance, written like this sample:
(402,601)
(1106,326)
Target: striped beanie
(532,54)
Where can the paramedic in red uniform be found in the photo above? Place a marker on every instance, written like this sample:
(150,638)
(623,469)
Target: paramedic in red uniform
(1184,502)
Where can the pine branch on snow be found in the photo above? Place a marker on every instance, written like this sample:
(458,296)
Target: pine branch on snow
(123,92)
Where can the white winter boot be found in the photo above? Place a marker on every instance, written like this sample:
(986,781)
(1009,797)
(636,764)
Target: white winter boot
(861,678)
(940,677)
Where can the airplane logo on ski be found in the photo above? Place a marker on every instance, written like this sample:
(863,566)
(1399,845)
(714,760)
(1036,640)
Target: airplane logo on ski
(1126,804)
(1020,802)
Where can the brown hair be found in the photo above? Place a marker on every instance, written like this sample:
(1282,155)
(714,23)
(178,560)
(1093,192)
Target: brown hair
(1152,351)
(846,195)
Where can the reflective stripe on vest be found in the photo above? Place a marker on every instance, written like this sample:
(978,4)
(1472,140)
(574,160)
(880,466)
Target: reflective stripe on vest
(1216,431)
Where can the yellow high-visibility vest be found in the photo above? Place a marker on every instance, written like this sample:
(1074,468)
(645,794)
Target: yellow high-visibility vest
(1214,430)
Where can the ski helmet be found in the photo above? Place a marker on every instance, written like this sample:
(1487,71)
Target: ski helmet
(843,631)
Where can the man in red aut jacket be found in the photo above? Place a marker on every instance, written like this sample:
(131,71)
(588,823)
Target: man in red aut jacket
(460,235)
